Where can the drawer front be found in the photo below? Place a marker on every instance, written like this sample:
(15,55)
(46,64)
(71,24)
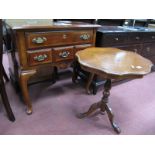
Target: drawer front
(114,39)
(58,38)
(39,57)
(133,48)
(63,54)
(149,37)
(135,38)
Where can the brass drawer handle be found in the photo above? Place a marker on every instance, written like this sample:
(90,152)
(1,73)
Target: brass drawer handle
(64,54)
(64,36)
(39,40)
(85,36)
(40,57)
(137,38)
(116,39)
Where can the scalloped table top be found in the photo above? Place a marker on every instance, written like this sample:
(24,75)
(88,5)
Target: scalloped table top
(114,62)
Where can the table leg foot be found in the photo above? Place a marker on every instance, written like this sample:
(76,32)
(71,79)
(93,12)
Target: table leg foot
(88,92)
(29,111)
(116,128)
(74,80)
(75,77)
(92,109)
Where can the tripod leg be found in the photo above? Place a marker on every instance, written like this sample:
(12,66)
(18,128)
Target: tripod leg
(111,119)
(92,109)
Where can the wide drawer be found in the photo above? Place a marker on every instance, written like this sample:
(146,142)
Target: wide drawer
(134,48)
(58,38)
(149,37)
(37,57)
(135,38)
(63,54)
(114,39)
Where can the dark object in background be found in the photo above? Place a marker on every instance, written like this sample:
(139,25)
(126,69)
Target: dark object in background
(110,22)
(5,100)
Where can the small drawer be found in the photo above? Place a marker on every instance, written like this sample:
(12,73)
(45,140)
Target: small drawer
(62,54)
(135,38)
(58,38)
(37,57)
(114,39)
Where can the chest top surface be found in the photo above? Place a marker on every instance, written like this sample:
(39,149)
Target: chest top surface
(114,61)
(43,25)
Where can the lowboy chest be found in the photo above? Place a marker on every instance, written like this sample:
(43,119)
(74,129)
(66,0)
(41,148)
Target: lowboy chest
(38,50)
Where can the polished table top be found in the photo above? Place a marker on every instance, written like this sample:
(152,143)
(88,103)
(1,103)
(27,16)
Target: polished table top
(114,62)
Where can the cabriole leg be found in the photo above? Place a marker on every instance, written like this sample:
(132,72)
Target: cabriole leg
(24,77)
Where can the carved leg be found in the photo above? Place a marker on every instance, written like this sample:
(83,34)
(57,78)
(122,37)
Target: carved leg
(24,77)
(75,72)
(55,75)
(102,105)
(94,86)
(94,89)
(56,72)
(90,79)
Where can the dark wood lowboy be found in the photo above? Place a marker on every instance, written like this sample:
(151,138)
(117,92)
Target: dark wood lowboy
(38,51)
(138,39)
